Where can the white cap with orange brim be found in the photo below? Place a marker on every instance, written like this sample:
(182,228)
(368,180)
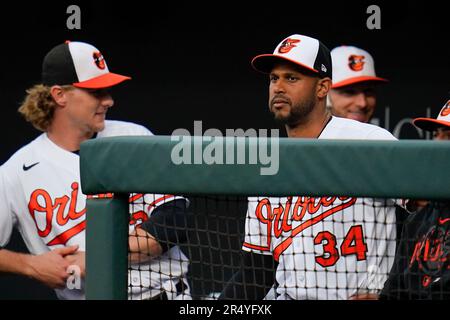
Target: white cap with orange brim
(430,124)
(352,65)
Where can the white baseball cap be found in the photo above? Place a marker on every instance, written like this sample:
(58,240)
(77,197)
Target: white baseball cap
(430,124)
(79,64)
(304,51)
(352,65)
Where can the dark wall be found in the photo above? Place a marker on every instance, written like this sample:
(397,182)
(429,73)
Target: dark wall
(190,61)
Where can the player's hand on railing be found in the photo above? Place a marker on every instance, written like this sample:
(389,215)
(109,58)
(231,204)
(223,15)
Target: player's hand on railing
(50,268)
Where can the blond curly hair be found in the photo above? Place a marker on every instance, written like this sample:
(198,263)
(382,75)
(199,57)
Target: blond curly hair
(39,106)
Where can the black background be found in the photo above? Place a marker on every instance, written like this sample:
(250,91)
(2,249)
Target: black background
(190,61)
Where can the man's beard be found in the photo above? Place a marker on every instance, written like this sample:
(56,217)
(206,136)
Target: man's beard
(298,112)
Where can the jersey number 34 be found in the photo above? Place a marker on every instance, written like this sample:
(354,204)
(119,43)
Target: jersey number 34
(353,243)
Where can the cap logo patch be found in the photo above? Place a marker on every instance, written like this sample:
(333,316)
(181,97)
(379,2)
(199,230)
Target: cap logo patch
(355,62)
(287,45)
(99,60)
(446,109)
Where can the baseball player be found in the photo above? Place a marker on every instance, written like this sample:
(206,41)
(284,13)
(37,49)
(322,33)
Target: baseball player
(421,269)
(353,93)
(320,247)
(40,184)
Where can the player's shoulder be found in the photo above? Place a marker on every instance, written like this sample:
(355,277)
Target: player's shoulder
(29,151)
(115,128)
(343,128)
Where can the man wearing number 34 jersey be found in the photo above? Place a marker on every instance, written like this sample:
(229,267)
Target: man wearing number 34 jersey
(313,247)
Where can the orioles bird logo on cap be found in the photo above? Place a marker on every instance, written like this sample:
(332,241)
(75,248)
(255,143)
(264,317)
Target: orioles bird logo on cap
(287,45)
(355,62)
(446,109)
(99,60)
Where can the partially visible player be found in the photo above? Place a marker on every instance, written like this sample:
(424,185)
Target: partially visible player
(422,266)
(321,247)
(158,266)
(353,94)
(40,184)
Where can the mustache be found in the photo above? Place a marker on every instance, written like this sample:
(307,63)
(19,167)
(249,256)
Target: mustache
(279,98)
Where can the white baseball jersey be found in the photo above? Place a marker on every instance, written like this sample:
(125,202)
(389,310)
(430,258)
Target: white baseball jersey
(40,193)
(147,280)
(326,247)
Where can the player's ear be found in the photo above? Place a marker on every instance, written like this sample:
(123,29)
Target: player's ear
(323,87)
(59,95)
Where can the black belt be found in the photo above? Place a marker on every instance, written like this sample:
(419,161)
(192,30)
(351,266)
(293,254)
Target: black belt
(180,286)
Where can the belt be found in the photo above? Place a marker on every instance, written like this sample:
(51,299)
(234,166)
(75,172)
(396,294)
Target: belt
(180,286)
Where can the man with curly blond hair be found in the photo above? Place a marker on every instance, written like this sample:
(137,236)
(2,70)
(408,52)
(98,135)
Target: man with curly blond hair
(40,184)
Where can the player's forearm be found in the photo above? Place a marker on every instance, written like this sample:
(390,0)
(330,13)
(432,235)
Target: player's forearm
(170,224)
(143,246)
(365,296)
(15,262)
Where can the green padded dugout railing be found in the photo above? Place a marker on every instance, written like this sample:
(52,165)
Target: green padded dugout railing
(398,169)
